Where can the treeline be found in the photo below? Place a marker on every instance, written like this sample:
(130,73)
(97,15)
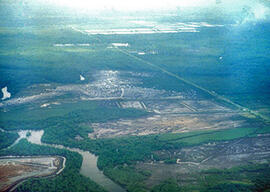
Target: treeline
(247,178)
(129,149)
(7,139)
(169,185)
(118,155)
(69,180)
(93,114)
(115,151)
(129,177)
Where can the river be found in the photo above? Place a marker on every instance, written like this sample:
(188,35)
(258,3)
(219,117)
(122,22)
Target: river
(89,165)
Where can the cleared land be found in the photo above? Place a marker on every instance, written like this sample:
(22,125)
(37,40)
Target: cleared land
(14,170)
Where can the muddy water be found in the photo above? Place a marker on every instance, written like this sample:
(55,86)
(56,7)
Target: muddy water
(89,169)
(89,165)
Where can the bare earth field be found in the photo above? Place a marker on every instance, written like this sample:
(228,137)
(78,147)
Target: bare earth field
(162,123)
(14,170)
(169,111)
(170,114)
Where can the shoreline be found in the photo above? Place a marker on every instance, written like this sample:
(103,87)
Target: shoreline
(56,172)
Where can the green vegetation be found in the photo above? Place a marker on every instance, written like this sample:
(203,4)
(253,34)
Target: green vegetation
(226,187)
(118,151)
(67,125)
(37,114)
(115,153)
(223,60)
(262,182)
(69,180)
(128,176)
(6,139)
(28,134)
(222,135)
(253,177)
(82,111)
(169,185)
(238,75)
(263,130)
(122,150)
(170,161)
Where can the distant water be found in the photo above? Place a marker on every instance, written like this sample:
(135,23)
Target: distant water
(6,94)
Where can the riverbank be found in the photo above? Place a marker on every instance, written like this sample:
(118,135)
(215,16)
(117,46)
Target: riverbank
(16,169)
(89,163)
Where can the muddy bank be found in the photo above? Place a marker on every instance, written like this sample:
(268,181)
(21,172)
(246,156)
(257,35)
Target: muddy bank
(16,169)
(89,165)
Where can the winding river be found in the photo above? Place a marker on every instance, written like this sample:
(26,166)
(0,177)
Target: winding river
(89,165)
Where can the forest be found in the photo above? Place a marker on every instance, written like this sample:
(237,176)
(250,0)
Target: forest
(7,138)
